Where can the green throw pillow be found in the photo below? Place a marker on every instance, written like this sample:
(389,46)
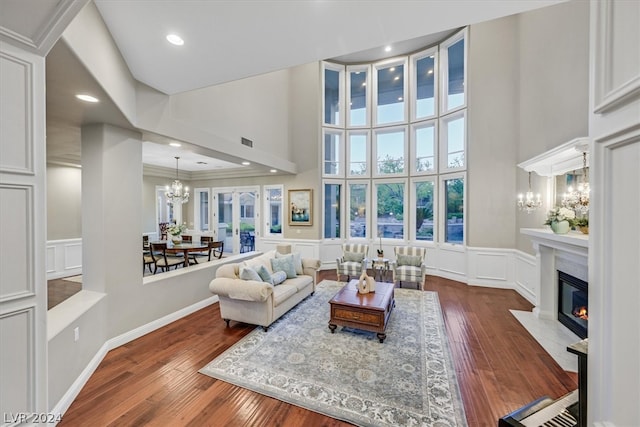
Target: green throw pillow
(264,274)
(284,264)
(248,273)
(278,277)
(353,256)
(297,260)
(411,260)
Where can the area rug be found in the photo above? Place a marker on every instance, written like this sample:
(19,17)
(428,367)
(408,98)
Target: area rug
(76,279)
(409,380)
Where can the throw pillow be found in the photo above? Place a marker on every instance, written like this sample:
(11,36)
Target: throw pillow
(248,273)
(278,277)
(353,256)
(297,261)
(264,274)
(411,260)
(284,264)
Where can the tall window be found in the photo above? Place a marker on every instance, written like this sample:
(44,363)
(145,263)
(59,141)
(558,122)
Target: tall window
(401,154)
(358,201)
(273,210)
(331,212)
(358,95)
(390,209)
(454,210)
(201,211)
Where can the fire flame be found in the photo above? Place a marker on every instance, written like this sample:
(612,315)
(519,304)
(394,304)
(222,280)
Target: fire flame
(581,312)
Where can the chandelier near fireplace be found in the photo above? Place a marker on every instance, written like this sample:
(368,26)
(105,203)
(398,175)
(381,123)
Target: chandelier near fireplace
(578,198)
(529,202)
(176,194)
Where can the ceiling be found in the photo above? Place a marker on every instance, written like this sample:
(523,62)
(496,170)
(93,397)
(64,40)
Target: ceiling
(231,40)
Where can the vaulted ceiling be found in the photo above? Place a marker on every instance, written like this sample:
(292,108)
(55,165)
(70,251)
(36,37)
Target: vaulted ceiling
(227,40)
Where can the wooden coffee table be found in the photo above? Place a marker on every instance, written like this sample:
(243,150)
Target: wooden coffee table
(369,312)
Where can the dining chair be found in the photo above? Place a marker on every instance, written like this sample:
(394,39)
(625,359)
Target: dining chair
(160,258)
(206,239)
(187,238)
(215,250)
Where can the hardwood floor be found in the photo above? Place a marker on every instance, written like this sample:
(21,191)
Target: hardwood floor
(154,380)
(59,290)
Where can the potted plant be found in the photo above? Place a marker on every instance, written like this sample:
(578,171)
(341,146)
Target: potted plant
(560,219)
(583,224)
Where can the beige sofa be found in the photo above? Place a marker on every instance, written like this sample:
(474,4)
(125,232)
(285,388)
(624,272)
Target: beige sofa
(257,302)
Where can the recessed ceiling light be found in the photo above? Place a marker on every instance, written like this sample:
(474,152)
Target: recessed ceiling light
(273,171)
(387,49)
(202,163)
(392,69)
(396,78)
(175,144)
(175,39)
(245,163)
(87,98)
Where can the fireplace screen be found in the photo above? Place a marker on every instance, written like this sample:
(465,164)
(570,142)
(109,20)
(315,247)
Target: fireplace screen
(573,309)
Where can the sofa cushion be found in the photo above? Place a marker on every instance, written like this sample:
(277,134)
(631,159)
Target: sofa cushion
(248,273)
(353,256)
(411,260)
(300,282)
(297,260)
(282,293)
(284,264)
(278,277)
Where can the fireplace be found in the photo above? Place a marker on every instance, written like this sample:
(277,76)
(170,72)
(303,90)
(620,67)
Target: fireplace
(573,309)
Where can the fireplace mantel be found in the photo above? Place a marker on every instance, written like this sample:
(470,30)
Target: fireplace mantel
(573,242)
(565,252)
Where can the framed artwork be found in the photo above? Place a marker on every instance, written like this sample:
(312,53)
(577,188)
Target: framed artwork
(300,207)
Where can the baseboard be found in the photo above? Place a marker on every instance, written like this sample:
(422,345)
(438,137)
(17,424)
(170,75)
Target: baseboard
(159,323)
(67,399)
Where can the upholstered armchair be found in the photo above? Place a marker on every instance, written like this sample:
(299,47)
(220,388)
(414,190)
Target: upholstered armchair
(353,261)
(409,265)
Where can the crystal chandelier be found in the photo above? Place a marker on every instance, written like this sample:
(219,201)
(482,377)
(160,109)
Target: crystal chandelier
(578,199)
(176,194)
(529,202)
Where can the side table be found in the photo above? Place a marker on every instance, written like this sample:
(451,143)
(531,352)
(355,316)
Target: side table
(380,269)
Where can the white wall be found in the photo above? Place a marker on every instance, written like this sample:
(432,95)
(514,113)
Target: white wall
(614,240)
(63,202)
(492,131)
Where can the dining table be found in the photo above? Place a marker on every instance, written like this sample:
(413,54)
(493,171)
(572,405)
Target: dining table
(186,249)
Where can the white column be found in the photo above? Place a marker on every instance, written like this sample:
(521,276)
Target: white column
(111,208)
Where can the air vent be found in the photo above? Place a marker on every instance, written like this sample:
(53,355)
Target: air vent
(247,142)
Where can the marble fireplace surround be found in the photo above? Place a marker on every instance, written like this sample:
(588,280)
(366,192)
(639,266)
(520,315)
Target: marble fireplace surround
(556,252)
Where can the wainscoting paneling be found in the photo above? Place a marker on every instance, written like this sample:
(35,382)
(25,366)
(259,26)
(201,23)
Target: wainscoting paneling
(16,157)
(16,223)
(64,258)
(17,387)
(526,276)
